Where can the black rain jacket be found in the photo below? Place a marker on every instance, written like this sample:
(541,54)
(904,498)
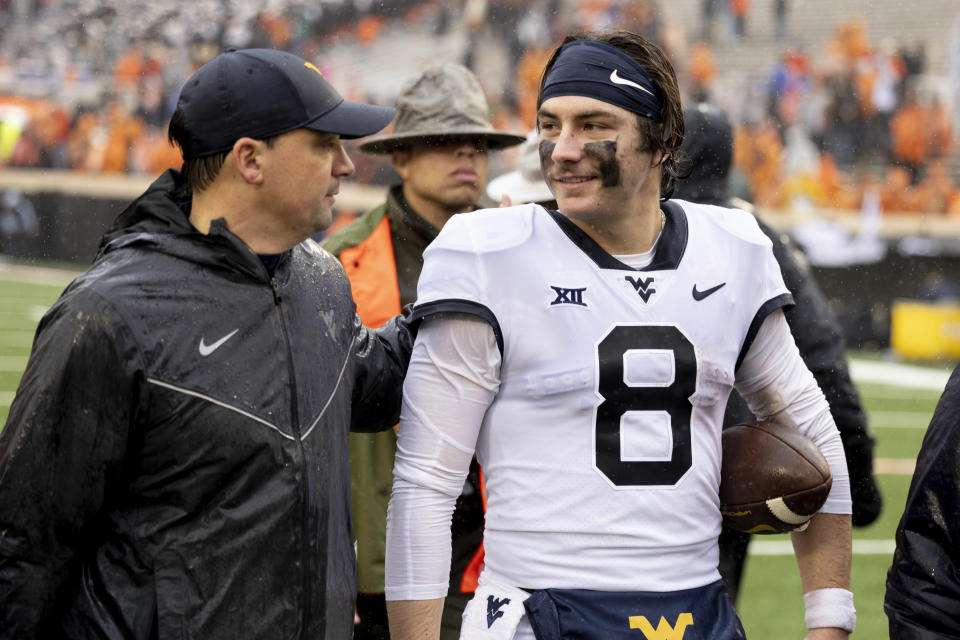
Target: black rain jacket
(922,601)
(175,461)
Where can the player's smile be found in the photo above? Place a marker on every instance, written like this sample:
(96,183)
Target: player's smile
(562,179)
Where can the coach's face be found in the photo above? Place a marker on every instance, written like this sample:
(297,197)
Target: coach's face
(593,158)
(305,171)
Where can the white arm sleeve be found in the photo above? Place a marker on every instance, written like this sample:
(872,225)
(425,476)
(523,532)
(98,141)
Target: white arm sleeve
(773,379)
(453,377)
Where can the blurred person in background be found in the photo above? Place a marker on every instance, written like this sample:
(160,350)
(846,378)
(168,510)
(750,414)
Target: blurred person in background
(175,460)
(439,147)
(708,150)
(525,183)
(18,221)
(781,10)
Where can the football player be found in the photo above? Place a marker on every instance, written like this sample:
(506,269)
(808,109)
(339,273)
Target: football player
(586,355)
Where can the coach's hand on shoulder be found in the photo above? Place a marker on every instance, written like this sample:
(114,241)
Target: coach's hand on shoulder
(827,633)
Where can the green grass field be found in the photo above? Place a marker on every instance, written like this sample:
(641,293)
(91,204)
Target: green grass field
(770,605)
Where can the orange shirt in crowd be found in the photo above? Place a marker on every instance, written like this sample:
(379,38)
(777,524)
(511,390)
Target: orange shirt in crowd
(122,131)
(838,191)
(128,68)
(529,69)
(278,29)
(702,67)
(936,190)
(368,29)
(896,195)
(909,129)
(941,129)
(759,154)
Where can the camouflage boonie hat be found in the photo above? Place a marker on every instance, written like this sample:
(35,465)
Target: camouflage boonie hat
(445,101)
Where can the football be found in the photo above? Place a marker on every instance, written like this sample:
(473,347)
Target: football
(773,479)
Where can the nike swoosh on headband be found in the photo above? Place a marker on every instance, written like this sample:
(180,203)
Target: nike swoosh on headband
(616,79)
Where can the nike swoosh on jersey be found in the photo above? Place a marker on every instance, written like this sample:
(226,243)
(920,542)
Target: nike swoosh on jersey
(207,349)
(700,295)
(616,79)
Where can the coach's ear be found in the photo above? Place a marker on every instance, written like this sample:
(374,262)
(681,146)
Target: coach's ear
(247,157)
(659,158)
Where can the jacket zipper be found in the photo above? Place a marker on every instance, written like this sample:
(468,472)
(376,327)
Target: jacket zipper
(295,423)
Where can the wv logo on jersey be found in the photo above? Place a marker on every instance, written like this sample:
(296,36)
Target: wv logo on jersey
(663,631)
(495,609)
(643,286)
(568,296)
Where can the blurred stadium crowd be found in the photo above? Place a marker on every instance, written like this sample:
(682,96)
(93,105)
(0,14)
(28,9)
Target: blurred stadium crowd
(88,85)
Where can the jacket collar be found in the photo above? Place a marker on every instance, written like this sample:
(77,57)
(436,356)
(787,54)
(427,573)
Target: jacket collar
(159,220)
(406,221)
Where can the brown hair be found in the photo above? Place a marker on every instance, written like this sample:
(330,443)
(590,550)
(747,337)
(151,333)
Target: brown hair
(664,136)
(198,173)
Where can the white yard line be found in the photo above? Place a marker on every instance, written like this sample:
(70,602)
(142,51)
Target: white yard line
(894,466)
(13,364)
(16,338)
(898,375)
(899,419)
(6,398)
(36,312)
(785,548)
(37,275)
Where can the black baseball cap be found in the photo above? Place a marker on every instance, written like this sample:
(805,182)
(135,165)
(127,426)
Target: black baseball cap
(260,93)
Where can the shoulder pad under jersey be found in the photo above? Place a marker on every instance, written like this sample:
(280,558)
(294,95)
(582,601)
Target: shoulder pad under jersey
(735,222)
(486,230)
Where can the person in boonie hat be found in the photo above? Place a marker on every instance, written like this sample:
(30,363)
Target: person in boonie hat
(439,147)
(439,143)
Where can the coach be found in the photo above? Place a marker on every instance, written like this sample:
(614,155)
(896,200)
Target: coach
(175,461)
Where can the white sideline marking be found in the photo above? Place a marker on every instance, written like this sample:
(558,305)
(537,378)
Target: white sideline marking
(16,338)
(37,275)
(785,548)
(899,419)
(894,466)
(6,398)
(898,375)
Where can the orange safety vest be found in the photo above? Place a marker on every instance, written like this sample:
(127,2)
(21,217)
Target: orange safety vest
(372,271)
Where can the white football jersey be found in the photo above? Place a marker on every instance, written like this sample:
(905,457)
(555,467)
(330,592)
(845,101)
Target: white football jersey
(601,450)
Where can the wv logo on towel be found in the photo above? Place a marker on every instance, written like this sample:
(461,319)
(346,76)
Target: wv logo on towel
(663,631)
(494,606)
